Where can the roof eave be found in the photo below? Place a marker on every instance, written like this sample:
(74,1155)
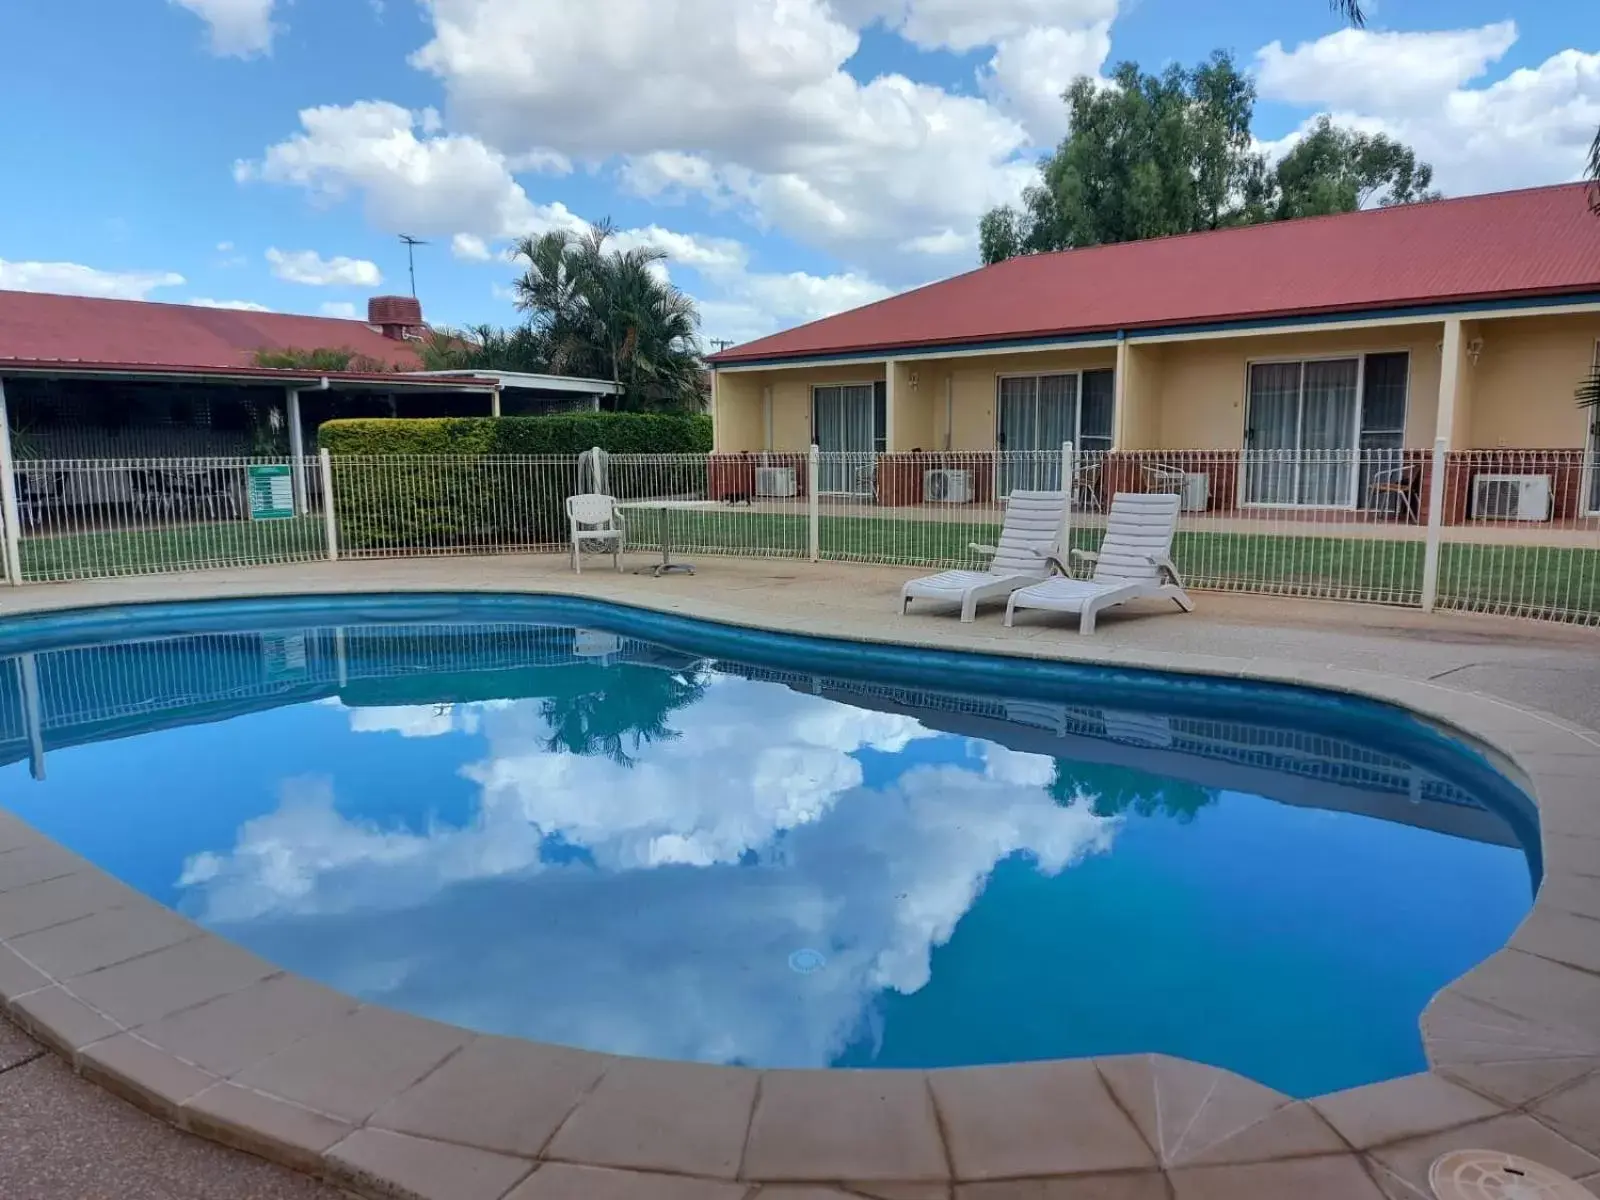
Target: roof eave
(62,368)
(1243,322)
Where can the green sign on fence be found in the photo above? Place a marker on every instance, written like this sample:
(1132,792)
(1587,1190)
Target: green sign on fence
(271,492)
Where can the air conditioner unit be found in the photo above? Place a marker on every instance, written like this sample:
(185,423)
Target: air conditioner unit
(775,481)
(1511,497)
(947,487)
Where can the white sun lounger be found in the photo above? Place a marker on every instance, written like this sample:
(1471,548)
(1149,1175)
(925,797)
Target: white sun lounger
(1030,536)
(1134,563)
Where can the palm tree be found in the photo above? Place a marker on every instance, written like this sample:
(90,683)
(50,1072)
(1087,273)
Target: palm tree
(617,711)
(611,313)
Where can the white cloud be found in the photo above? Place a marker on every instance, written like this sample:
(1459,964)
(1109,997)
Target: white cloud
(1533,126)
(1030,71)
(224,247)
(698,873)
(469,247)
(309,267)
(1380,70)
(74,279)
(670,174)
(415,720)
(964,25)
(238,27)
(452,185)
(427,185)
(947,243)
(235,305)
(745,101)
(340,308)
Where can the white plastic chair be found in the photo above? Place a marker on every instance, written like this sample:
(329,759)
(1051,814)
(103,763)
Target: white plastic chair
(1134,563)
(1030,536)
(595,518)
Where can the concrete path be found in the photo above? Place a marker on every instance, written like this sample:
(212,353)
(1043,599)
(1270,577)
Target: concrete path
(64,1138)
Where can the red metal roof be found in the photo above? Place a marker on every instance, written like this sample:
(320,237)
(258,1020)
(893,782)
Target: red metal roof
(1537,242)
(40,328)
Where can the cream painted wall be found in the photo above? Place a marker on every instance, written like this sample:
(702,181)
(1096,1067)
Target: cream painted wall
(791,403)
(1139,422)
(1522,387)
(738,420)
(975,383)
(1201,384)
(1191,395)
(917,385)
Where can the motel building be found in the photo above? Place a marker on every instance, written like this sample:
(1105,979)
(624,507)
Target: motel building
(1305,367)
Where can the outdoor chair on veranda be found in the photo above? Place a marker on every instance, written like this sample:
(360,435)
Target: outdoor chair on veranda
(594,517)
(1404,483)
(38,493)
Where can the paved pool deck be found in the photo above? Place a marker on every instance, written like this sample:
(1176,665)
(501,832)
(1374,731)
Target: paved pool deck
(217,1042)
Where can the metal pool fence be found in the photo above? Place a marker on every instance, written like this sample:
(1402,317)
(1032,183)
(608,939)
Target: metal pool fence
(1493,531)
(95,518)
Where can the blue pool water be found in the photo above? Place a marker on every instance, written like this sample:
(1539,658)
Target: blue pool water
(643,835)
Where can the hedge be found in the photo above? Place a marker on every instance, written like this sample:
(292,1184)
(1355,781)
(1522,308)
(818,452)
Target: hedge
(466,495)
(564,433)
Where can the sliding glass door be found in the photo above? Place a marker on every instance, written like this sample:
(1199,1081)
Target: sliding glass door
(1037,413)
(1307,420)
(844,427)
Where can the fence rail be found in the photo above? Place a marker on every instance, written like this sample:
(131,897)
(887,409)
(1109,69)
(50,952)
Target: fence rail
(1501,531)
(86,518)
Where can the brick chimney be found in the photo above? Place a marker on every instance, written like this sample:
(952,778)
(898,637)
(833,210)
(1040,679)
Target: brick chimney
(396,317)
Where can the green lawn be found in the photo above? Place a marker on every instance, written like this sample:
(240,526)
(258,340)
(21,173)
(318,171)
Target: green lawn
(174,548)
(1529,580)
(1534,580)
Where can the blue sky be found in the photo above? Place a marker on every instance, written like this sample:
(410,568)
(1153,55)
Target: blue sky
(793,157)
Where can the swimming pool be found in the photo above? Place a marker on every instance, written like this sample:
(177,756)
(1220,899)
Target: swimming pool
(648,835)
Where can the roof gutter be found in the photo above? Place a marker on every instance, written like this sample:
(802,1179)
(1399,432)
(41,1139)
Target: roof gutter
(1514,304)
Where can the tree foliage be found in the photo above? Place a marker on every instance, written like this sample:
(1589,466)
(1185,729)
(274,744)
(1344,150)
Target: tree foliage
(1333,170)
(593,310)
(322,358)
(1112,790)
(610,313)
(617,711)
(1154,155)
(484,348)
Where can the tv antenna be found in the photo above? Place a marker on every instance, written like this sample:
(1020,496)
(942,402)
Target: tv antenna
(411,258)
(720,344)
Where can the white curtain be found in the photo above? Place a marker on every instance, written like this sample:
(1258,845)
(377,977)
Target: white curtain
(1328,432)
(843,431)
(1273,432)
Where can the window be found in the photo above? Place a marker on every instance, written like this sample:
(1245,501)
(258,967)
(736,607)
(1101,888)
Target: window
(848,425)
(1308,419)
(1039,412)
(1099,402)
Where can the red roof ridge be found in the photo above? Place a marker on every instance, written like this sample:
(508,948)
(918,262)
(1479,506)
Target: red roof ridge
(186,306)
(1287,223)
(1492,247)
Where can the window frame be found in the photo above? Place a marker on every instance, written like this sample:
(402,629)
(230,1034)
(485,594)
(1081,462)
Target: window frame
(1077,404)
(1359,355)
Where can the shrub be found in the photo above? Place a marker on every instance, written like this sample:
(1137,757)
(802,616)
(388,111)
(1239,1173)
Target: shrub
(453,482)
(565,433)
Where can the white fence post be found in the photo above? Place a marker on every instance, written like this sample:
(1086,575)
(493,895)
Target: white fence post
(1430,558)
(330,519)
(28,672)
(1069,489)
(8,497)
(813,513)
